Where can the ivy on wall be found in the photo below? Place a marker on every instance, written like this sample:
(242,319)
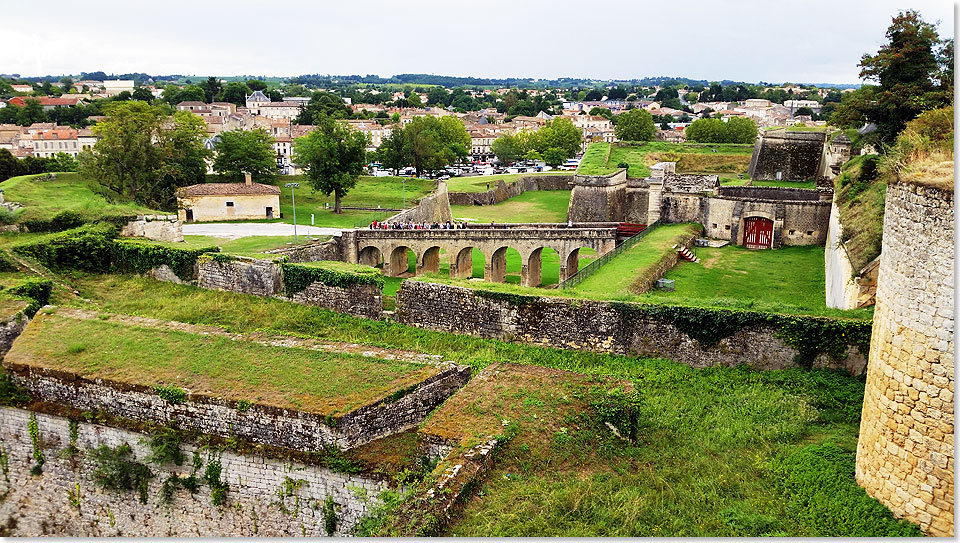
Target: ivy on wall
(138,257)
(296,278)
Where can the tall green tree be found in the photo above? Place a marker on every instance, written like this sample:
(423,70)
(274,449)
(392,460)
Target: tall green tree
(239,151)
(334,157)
(434,143)
(507,148)
(324,103)
(9,165)
(235,92)
(142,94)
(558,134)
(31,113)
(394,151)
(211,89)
(256,85)
(635,125)
(184,157)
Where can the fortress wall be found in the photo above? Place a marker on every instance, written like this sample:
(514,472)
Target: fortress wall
(434,207)
(38,505)
(905,456)
(611,327)
(599,198)
(798,156)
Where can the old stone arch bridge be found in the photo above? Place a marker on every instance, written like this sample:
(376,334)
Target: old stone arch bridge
(371,247)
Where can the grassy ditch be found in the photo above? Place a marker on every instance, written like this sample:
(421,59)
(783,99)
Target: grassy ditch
(719,158)
(479,183)
(531,206)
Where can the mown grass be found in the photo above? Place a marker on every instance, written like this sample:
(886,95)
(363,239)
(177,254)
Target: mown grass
(42,199)
(541,206)
(254,246)
(690,158)
(479,183)
(234,369)
(615,277)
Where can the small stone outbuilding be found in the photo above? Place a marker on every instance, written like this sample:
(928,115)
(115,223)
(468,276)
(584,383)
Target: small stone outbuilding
(228,201)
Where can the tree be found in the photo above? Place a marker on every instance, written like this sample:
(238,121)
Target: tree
(334,157)
(434,143)
(141,152)
(507,148)
(911,74)
(61,162)
(235,92)
(142,94)
(31,113)
(414,100)
(211,89)
(734,130)
(324,103)
(9,165)
(602,112)
(558,134)
(554,156)
(635,125)
(240,151)
(394,151)
(256,85)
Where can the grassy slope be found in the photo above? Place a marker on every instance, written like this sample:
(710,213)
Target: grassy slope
(315,381)
(44,199)
(478,183)
(690,158)
(532,206)
(614,278)
(860,202)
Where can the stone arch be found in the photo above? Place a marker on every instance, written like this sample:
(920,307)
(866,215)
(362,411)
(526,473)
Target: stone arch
(495,269)
(370,256)
(569,263)
(429,261)
(531,268)
(461,262)
(399,261)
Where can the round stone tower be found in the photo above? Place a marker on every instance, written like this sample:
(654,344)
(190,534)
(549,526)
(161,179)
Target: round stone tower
(905,453)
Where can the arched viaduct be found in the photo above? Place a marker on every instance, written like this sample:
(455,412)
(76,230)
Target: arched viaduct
(370,247)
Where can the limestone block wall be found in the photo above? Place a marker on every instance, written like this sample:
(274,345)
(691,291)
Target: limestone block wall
(10,329)
(38,505)
(797,156)
(905,456)
(846,288)
(593,326)
(435,207)
(313,252)
(155,227)
(502,191)
(265,278)
(599,198)
(259,423)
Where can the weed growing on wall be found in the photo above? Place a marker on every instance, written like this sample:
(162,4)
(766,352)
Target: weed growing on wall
(117,470)
(34,430)
(171,393)
(165,447)
(10,393)
(131,256)
(73,496)
(290,488)
(218,487)
(330,515)
(174,482)
(5,463)
(243,406)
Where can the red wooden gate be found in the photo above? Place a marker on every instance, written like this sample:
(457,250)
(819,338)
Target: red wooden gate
(758,233)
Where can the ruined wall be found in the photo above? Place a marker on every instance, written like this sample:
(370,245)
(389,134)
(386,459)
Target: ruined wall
(265,278)
(37,505)
(599,198)
(11,327)
(798,156)
(313,252)
(155,227)
(264,424)
(593,326)
(905,455)
(502,191)
(435,207)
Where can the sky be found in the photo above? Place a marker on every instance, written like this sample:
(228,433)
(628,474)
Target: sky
(814,41)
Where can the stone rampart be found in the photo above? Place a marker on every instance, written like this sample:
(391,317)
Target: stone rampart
(257,423)
(265,278)
(905,456)
(795,156)
(64,501)
(155,227)
(435,207)
(11,327)
(313,252)
(588,325)
(503,191)
(599,198)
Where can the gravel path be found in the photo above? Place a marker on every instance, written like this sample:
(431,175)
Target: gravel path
(241,230)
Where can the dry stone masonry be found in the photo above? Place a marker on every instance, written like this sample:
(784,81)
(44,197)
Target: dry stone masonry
(905,456)
(65,501)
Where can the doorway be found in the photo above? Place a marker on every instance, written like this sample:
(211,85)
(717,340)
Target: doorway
(269,212)
(758,233)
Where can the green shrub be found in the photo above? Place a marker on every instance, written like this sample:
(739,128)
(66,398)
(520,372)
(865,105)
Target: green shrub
(618,408)
(218,487)
(36,291)
(171,393)
(88,248)
(822,488)
(7,215)
(10,393)
(297,277)
(64,220)
(138,257)
(117,471)
(165,447)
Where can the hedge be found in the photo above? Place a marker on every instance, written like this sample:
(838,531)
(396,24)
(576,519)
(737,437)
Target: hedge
(138,257)
(296,277)
(88,248)
(68,219)
(35,291)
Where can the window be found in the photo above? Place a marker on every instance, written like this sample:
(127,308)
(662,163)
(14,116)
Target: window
(714,225)
(792,231)
(229,204)
(809,232)
(727,227)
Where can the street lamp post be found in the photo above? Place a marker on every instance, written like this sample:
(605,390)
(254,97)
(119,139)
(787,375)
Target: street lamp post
(293,196)
(403,181)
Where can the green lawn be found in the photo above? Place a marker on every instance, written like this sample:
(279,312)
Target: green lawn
(544,206)
(690,158)
(613,279)
(220,366)
(42,199)
(733,182)
(478,183)
(246,246)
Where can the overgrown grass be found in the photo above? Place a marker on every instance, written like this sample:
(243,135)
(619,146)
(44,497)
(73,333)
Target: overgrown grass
(254,246)
(285,377)
(690,158)
(532,206)
(42,198)
(478,183)
(860,196)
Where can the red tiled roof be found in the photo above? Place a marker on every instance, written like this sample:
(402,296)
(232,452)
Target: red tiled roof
(227,189)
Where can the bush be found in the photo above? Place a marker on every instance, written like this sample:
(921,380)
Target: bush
(7,215)
(36,291)
(64,220)
(296,277)
(87,248)
(116,470)
(137,257)
(823,493)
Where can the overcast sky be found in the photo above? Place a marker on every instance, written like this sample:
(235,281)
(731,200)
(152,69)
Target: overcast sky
(811,41)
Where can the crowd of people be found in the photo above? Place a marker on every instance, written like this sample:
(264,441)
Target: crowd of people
(410,225)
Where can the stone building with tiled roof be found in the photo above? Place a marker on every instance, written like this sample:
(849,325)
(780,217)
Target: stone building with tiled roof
(228,201)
